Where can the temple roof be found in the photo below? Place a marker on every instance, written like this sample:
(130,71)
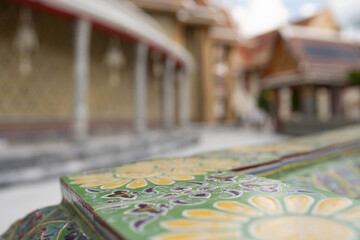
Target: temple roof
(121,17)
(320,57)
(257,51)
(225,29)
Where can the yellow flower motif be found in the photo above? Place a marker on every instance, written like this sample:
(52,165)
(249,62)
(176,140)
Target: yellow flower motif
(159,172)
(133,180)
(264,218)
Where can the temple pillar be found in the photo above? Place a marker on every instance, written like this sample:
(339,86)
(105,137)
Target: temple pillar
(323,104)
(285,104)
(275,109)
(80,123)
(308,101)
(336,103)
(183,98)
(168,93)
(140,75)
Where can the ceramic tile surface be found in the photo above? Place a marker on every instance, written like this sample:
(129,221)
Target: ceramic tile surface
(47,223)
(217,205)
(340,174)
(308,147)
(210,196)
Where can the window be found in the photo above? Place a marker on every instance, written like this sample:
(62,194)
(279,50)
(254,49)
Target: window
(330,52)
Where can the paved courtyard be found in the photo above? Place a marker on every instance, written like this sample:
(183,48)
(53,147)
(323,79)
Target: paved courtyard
(18,200)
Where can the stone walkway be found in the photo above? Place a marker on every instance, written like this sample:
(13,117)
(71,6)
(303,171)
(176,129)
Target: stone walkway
(40,161)
(18,200)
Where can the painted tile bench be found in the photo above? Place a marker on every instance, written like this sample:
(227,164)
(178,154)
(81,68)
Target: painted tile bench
(304,188)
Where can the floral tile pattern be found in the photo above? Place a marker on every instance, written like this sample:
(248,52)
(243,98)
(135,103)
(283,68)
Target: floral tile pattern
(339,174)
(209,196)
(252,155)
(265,217)
(47,223)
(100,197)
(157,172)
(221,205)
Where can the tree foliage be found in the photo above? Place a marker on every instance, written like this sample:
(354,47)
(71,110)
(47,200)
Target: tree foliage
(263,101)
(354,77)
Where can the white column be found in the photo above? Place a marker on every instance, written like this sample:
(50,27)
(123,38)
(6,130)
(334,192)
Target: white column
(307,98)
(183,98)
(168,93)
(140,73)
(285,103)
(323,101)
(81,80)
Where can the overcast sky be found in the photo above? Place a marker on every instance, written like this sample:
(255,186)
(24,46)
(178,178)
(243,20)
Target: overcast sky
(257,16)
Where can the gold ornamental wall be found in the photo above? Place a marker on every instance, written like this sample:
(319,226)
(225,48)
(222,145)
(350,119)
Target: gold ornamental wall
(36,59)
(37,73)
(111,87)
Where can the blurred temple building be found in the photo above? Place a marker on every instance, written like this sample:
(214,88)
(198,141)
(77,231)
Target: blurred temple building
(78,68)
(302,70)
(208,32)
